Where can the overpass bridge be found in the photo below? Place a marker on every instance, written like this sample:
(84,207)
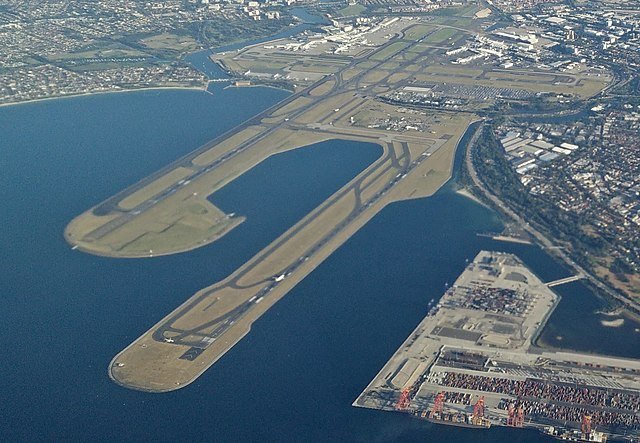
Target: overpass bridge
(562,281)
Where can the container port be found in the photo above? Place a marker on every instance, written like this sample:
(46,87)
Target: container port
(473,362)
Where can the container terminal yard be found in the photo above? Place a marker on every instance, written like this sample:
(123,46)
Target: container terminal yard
(473,362)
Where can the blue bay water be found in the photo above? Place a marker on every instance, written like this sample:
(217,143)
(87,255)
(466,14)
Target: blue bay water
(200,59)
(65,313)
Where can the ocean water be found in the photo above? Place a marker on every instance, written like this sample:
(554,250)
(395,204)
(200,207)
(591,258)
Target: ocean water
(66,313)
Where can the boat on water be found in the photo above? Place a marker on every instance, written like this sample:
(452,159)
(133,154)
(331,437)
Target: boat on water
(575,435)
(456,419)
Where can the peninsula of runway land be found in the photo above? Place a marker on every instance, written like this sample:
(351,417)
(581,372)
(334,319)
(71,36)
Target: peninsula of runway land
(361,92)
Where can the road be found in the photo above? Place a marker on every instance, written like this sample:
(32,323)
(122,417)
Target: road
(542,240)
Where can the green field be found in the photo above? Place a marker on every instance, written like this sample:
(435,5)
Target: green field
(462,11)
(417,32)
(171,42)
(176,237)
(352,10)
(441,35)
(388,51)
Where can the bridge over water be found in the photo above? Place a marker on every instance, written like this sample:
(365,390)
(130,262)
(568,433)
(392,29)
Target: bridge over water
(562,281)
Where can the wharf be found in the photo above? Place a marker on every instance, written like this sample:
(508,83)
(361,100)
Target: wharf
(477,342)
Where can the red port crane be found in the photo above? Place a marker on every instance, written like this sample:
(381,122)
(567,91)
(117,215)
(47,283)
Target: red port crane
(404,400)
(516,415)
(585,427)
(438,404)
(511,419)
(478,411)
(519,417)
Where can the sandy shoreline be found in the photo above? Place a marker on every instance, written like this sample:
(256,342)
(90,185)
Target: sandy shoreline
(466,193)
(115,91)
